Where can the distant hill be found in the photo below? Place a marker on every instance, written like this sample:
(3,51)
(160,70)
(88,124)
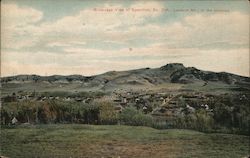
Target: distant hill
(173,73)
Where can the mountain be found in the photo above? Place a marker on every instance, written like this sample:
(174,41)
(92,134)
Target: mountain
(163,77)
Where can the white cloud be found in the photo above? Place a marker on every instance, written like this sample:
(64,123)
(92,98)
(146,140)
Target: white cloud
(198,31)
(89,20)
(18,25)
(187,38)
(13,15)
(232,28)
(65,44)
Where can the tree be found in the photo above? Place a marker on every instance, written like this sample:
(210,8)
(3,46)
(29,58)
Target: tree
(131,116)
(107,114)
(127,114)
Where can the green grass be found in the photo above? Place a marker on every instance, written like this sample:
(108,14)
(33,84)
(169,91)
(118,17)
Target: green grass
(215,87)
(117,141)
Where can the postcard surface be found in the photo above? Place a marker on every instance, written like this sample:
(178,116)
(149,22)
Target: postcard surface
(122,79)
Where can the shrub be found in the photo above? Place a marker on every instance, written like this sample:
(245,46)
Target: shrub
(141,119)
(131,116)
(159,124)
(107,113)
(127,114)
(204,121)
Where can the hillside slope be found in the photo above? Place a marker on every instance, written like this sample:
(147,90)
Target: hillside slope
(174,73)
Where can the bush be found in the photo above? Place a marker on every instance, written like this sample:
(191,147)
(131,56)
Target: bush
(160,124)
(200,120)
(131,116)
(141,119)
(107,114)
(127,114)
(50,112)
(204,121)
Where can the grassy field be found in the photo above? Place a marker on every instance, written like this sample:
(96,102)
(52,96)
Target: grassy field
(93,141)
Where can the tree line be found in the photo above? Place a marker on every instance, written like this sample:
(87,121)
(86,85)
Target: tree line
(224,118)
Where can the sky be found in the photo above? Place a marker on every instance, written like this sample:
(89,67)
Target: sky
(90,37)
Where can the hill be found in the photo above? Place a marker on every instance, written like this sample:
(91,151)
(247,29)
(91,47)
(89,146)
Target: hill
(174,75)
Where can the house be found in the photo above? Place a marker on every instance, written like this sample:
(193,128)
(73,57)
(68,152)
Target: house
(118,108)
(137,100)
(124,100)
(144,109)
(14,121)
(51,97)
(88,100)
(205,106)
(190,108)
(67,99)
(78,99)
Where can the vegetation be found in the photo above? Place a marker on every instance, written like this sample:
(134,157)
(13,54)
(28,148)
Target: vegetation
(200,120)
(107,114)
(71,94)
(131,116)
(76,140)
(50,112)
(228,115)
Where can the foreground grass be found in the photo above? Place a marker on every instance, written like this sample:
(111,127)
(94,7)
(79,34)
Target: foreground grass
(118,141)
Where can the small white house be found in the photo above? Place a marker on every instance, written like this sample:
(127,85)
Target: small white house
(14,121)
